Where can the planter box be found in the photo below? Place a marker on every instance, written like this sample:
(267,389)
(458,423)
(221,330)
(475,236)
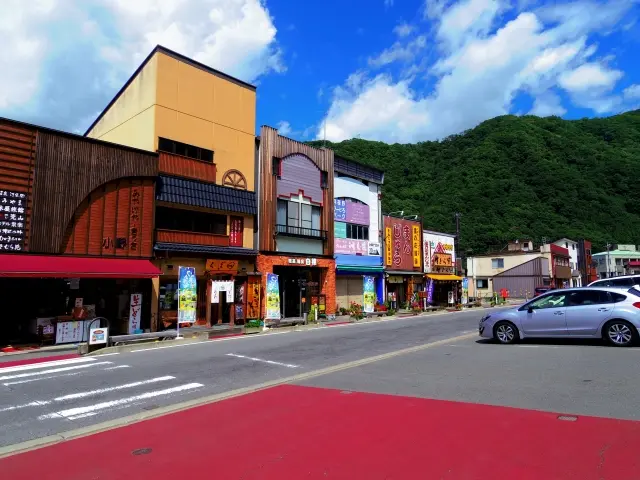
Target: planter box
(250,330)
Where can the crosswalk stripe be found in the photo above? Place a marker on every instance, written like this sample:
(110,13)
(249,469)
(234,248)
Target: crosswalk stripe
(75,412)
(53,370)
(53,363)
(90,393)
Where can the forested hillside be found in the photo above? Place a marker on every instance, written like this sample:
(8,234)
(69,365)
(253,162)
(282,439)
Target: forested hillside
(517,177)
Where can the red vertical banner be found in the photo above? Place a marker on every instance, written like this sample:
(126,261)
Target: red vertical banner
(236,232)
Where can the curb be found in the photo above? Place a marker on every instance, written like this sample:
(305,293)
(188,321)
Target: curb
(29,361)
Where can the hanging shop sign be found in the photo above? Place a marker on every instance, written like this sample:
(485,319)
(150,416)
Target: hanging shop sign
(415,238)
(187,295)
(273,297)
(375,249)
(404,255)
(222,266)
(221,287)
(395,279)
(369,294)
(12,220)
(437,243)
(135,312)
(310,262)
(348,246)
(350,211)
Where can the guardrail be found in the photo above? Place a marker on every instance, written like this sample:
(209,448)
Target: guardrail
(136,337)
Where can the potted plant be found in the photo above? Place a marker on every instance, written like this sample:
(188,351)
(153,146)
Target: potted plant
(253,326)
(415,308)
(355,311)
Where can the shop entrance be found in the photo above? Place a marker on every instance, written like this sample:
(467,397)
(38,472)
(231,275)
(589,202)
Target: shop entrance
(297,286)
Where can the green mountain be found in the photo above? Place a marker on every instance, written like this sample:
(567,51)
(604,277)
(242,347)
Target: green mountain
(517,177)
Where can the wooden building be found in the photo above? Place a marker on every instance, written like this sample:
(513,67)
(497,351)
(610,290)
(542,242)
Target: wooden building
(202,123)
(296,217)
(74,211)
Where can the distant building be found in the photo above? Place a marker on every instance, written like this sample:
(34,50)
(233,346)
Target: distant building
(620,260)
(572,247)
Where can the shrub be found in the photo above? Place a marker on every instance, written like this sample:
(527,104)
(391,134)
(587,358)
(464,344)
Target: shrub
(355,310)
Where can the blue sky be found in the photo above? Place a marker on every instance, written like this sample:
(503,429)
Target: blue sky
(389,70)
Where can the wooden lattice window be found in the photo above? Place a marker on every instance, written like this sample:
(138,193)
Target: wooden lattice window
(234,179)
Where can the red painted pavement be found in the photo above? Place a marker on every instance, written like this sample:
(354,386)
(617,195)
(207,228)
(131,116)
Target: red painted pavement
(291,432)
(27,361)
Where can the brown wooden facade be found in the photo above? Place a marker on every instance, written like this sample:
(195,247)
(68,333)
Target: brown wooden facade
(180,166)
(17,162)
(272,146)
(82,195)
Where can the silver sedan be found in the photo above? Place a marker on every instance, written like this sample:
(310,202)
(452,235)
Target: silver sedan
(588,312)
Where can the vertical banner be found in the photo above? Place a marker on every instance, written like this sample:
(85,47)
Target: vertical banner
(416,250)
(388,247)
(465,290)
(273,297)
(369,294)
(430,291)
(187,295)
(135,311)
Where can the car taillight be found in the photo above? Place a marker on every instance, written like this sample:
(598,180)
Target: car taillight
(637,304)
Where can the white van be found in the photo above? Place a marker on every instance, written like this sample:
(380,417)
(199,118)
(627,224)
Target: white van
(625,281)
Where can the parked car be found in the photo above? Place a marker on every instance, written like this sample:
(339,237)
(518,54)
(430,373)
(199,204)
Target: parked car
(586,312)
(623,281)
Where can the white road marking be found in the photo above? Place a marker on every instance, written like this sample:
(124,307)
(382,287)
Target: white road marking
(54,363)
(90,393)
(53,370)
(116,367)
(37,379)
(93,409)
(30,404)
(270,362)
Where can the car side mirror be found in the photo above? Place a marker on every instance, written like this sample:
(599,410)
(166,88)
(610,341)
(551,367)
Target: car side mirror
(530,310)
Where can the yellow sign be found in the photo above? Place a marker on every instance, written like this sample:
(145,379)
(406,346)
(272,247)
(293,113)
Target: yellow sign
(222,266)
(442,260)
(388,246)
(416,246)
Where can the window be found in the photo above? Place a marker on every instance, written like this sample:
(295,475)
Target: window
(324,179)
(190,221)
(276,166)
(566,245)
(357,232)
(618,261)
(298,218)
(185,150)
(552,300)
(497,263)
(482,283)
(573,246)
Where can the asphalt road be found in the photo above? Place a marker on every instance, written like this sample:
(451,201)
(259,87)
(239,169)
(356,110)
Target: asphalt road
(37,401)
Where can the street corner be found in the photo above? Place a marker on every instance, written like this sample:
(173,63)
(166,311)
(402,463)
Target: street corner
(348,434)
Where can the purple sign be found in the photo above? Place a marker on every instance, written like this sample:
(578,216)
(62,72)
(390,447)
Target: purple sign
(430,288)
(348,246)
(351,212)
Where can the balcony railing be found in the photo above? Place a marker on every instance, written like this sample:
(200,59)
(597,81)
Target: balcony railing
(193,238)
(301,232)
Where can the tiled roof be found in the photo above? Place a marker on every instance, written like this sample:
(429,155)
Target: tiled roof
(185,247)
(206,195)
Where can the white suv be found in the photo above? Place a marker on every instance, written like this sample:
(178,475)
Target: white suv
(625,281)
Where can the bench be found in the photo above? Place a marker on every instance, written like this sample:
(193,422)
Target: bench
(137,337)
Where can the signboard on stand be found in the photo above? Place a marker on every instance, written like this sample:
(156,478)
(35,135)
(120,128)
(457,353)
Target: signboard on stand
(273,297)
(369,294)
(187,295)
(135,313)
(98,336)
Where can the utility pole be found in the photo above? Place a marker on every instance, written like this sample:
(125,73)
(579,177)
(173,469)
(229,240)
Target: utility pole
(457,216)
(608,259)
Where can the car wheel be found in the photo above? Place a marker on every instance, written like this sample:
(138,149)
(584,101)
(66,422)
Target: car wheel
(505,332)
(620,333)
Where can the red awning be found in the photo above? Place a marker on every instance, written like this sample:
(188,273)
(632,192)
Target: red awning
(44,266)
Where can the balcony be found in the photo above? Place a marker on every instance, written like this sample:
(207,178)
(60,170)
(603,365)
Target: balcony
(301,232)
(193,238)
(563,272)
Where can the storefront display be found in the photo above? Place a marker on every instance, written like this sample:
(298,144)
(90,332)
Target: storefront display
(444,287)
(403,259)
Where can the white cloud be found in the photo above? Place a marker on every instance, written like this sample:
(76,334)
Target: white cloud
(399,52)
(284,128)
(547,105)
(74,55)
(485,64)
(632,92)
(588,77)
(403,30)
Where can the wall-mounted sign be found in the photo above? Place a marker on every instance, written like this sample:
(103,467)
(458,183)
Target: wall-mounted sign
(12,220)
(236,232)
(375,249)
(340,230)
(348,246)
(350,211)
(222,266)
(441,260)
(403,251)
(134,218)
(309,262)
(437,243)
(395,279)
(415,238)
(388,246)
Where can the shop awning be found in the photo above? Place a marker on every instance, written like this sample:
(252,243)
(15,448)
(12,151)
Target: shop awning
(359,268)
(45,266)
(443,276)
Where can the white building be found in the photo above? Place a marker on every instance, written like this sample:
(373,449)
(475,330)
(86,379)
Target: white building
(572,246)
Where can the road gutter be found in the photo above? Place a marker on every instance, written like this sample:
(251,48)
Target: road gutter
(146,415)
